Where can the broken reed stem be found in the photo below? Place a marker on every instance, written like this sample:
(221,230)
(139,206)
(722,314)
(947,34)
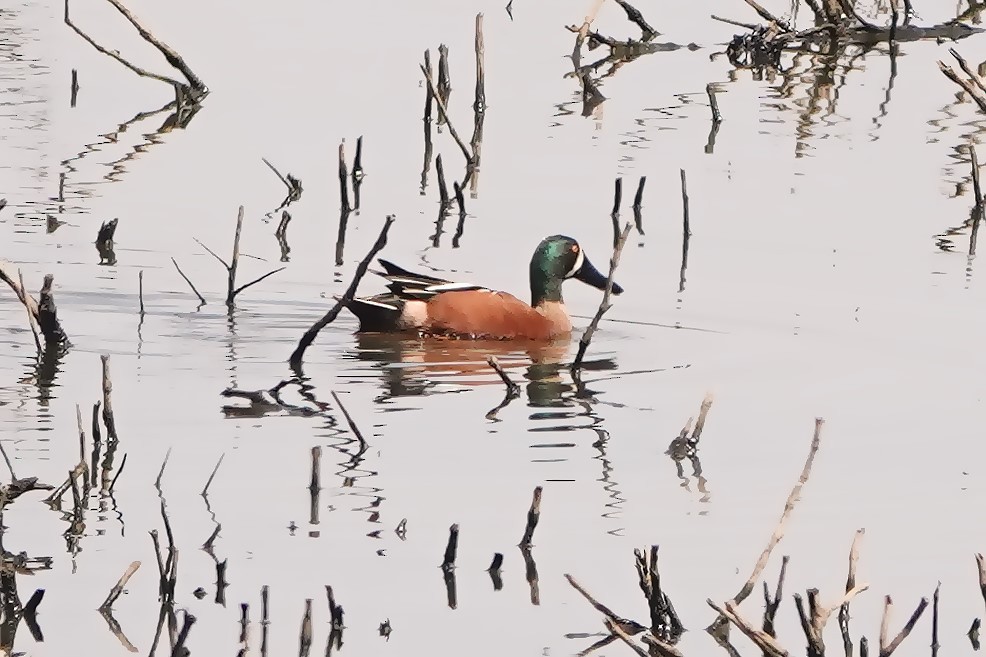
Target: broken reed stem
(479,104)
(442,189)
(513,390)
(305,638)
(604,305)
(713,103)
(343,179)
(684,206)
(316,481)
(638,201)
(190,283)
(140,290)
(615,214)
(977,211)
(934,621)
(778,534)
(186,627)
(48,322)
(235,261)
(448,562)
(108,419)
(444,88)
(850,585)
(306,340)
(533,515)
(117,589)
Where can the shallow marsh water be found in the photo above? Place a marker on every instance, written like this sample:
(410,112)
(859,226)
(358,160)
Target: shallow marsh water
(818,284)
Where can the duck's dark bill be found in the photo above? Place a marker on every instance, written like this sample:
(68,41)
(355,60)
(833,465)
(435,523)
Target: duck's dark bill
(588,274)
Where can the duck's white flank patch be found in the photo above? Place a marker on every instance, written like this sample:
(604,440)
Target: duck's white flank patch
(415,313)
(578,264)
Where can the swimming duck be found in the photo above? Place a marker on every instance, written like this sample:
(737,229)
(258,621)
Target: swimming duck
(427,305)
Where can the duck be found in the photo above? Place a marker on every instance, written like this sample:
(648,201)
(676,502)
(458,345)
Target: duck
(436,307)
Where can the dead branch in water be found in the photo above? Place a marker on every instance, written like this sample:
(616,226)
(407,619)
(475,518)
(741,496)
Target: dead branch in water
(772,604)
(293,186)
(974,86)
(813,621)
(604,305)
(615,214)
(719,626)
(665,625)
(306,340)
(233,264)
(513,390)
(343,179)
(194,90)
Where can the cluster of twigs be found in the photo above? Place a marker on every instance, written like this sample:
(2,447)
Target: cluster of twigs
(437,94)
(42,315)
(836,23)
(665,626)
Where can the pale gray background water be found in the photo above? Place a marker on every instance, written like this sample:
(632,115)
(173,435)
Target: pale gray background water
(815,286)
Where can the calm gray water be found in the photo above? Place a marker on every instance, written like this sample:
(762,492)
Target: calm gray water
(826,276)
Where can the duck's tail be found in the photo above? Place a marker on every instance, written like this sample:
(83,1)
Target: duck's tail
(379,314)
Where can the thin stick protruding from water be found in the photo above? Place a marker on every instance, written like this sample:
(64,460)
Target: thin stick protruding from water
(513,390)
(934,622)
(343,179)
(140,290)
(686,231)
(448,562)
(604,305)
(533,515)
(713,103)
(615,214)
(638,201)
(977,211)
(108,418)
(772,604)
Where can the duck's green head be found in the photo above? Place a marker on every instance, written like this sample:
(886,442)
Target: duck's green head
(558,258)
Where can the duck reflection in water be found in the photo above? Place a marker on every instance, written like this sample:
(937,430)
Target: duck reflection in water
(419,366)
